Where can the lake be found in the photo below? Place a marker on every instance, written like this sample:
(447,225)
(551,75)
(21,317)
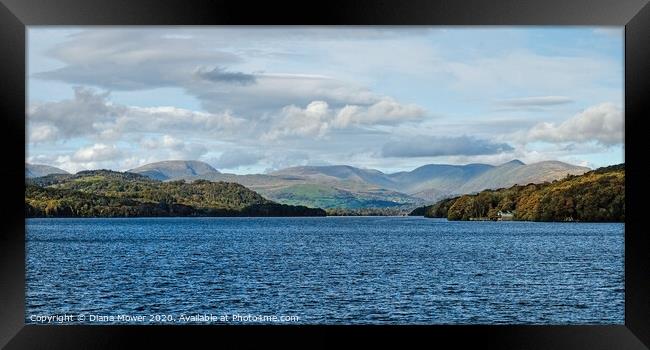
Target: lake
(327,270)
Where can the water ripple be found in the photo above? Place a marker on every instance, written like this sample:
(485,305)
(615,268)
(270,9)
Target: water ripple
(354,270)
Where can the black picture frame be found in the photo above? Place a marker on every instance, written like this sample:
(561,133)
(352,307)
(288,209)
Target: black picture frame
(15,15)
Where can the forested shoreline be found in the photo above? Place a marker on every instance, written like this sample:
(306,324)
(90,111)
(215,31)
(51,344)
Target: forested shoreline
(104,193)
(596,196)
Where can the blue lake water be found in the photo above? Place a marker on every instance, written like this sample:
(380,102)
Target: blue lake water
(343,270)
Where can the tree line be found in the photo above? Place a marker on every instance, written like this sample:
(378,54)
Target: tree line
(104,193)
(596,196)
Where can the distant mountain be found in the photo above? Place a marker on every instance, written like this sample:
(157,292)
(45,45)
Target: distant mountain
(105,193)
(339,173)
(428,180)
(518,173)
(344,186)
(440,179)
(436,179)
(314,190)
(431,182)
(173,169)
(431,195)
(329,195)
(37,170)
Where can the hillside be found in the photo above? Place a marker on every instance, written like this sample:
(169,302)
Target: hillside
(103,193)
(348,187)
(518,173)
(426,183)
(327,196)
(36,170)
(174,169)
(434,181)
(338,173)
(321,192)
(597,195)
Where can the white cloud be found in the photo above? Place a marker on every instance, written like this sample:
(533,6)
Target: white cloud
(317,118)
(313,120)
(42,132)
(202,63)
(96,153)
(96,156)
(602,123)
(174,120)
(271,92)
(536,101)
(173,148)
(90,114)
(327,92)
(385,111)
(166,132)
(66,119)
(128,59)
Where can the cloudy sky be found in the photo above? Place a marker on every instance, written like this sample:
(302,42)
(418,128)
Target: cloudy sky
(253,99)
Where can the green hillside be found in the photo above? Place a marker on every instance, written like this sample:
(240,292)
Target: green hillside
(103,193)
(327,196)
(598,195)
(349,188)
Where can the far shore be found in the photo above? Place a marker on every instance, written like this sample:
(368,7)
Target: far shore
(329,216)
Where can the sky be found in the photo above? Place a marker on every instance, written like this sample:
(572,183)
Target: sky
(257,99)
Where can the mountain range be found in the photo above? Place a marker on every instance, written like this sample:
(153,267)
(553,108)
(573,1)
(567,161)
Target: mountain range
(173,169)
(344,186)
(38,170)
